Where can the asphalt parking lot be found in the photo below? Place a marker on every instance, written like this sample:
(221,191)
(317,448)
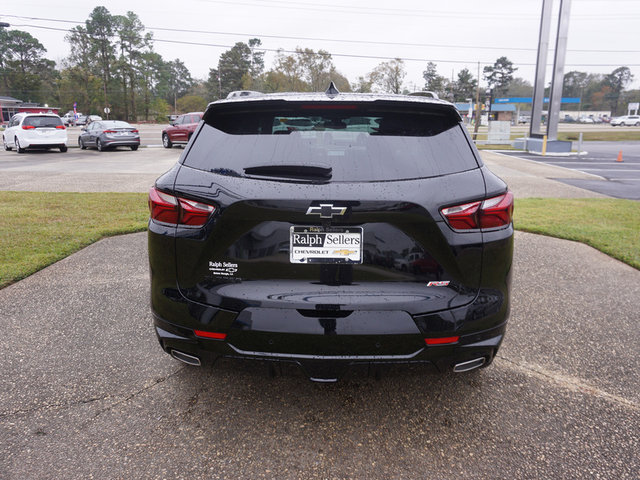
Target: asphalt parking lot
(86,392)
(600,160)
(78,170)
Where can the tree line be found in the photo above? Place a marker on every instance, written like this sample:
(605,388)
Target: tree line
(112,63)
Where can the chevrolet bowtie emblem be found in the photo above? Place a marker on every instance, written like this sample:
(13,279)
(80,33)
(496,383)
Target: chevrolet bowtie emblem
(346,253)
(326,210)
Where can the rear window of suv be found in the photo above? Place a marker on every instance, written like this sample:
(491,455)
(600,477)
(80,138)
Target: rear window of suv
(356,143)
(49,121)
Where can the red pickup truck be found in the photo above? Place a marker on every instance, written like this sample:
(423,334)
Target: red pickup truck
(181,129)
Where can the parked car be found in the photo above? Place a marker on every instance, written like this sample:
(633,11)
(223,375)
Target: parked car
(181,129)
(82,120)
(400,263)
(69,118)
(258,239)
(357,124)
(524,119)
(288,124)
(584,119)
(35,131)
(104,134)
(626,120)
(93,118)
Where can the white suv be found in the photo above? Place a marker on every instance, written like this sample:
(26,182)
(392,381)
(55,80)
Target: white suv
(35,130)
(626,120)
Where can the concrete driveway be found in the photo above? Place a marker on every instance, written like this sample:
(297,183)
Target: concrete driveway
(86,392)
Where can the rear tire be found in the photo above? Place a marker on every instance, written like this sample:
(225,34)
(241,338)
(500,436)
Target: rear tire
(63,149)
(166,143)
(19,149)
(134,147)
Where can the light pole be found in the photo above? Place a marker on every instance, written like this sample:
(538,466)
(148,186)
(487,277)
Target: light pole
(489,96)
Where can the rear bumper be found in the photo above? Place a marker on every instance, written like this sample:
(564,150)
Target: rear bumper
(43,143)
(120,143)
(327,357)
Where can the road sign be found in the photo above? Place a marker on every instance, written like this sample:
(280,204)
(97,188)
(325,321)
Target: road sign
(107,110)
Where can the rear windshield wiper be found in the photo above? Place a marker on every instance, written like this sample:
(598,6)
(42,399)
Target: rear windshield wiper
(295,172)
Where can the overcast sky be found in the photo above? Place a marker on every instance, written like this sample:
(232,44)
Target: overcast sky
(455,34)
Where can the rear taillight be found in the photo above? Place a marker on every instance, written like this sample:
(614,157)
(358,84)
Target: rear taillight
(493,212)
(109,131)
(167,208)
(134,131)
(194,213)
(61,127)
(497,211)
(28,127)
(163,207)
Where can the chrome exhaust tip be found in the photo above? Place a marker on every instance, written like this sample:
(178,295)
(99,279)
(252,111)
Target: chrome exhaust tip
(186,358)
(469,365)
(323,380)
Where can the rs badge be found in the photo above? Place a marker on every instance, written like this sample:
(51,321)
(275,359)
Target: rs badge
(438,284)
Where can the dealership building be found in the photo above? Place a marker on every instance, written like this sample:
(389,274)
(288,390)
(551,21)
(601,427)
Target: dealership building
(9,106)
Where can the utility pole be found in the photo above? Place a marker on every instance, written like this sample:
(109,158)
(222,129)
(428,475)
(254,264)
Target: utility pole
(478,110)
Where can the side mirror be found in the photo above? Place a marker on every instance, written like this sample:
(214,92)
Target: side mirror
(83,129)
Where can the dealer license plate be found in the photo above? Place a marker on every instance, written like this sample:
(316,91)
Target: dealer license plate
(326,245)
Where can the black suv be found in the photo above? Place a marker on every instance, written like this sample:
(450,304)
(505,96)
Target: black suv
(373,235)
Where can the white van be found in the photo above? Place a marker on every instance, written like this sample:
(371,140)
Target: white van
(35,131)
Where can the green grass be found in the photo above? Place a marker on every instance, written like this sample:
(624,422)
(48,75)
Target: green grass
(40,228)
(609,225)
(617,135)
(494,147)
